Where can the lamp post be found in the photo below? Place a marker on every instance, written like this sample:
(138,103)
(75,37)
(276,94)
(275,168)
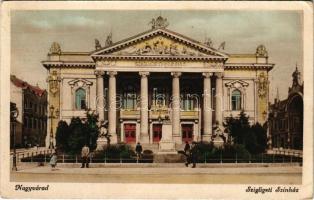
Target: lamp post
(51,117)
(14,114)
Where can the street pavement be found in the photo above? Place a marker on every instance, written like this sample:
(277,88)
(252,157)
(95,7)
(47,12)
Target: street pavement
(163,173)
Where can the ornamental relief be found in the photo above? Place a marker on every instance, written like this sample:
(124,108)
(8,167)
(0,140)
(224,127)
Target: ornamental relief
(53,80)
(262,85)
(106,63)
(214,65)
(160,46)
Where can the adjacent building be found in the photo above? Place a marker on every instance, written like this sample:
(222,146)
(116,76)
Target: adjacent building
(286,117)
(31,103)
(158,79)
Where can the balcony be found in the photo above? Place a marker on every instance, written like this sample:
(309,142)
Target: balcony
(160,112)
(156,113)
(189,114)
(129,114)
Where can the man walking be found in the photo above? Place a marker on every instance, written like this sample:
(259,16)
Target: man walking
(187,151)
(138,150)
(194,154)
(84,155)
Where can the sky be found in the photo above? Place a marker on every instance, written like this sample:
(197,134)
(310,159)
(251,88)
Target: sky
(32,33)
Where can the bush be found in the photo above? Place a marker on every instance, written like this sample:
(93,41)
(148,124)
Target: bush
(71,138)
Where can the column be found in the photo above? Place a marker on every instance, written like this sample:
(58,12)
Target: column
(144,137)
(219,98)
(100,95)
(176,107)
(112,111)
(207,107)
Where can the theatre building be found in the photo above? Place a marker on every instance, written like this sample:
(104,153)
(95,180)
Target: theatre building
(158,86)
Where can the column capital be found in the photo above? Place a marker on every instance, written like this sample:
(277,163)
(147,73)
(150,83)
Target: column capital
(207,74)
(143,74)
(99,73)
(219,74)
(112,73)
(176,74)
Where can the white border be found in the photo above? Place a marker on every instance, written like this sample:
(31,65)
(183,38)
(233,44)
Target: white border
(103,190)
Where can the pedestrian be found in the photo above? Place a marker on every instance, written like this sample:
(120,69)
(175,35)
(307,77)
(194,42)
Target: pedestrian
(85,155)
(187,151)
(138,150)
(53,161)
(194,154)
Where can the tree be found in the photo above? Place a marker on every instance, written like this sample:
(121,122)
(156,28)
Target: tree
(62,136)
(77,135)
(71,138)
(92,130)
(253,138)
(238,128)
(261,137)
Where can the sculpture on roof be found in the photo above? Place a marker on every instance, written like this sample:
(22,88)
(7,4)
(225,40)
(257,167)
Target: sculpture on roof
(55,48)
(222,46)
(97,44)
(109,40)
(159,22)
(208,42)
(261,51)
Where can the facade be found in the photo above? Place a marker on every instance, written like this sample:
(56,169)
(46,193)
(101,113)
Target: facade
(31,102)
(286,117)
(158,86)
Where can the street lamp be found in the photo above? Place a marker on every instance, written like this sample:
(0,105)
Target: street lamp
(51,117)
(14,114)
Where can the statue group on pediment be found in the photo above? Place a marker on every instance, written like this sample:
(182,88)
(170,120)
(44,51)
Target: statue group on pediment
(159,47)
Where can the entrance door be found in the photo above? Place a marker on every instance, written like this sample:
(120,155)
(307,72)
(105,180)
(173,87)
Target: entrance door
(130,133)
(157,132)
(187,132)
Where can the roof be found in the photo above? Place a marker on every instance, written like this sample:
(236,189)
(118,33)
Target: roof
(25,85)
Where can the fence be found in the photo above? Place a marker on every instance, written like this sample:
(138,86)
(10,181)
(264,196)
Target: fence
(288,152)
(205,158)
(33,155)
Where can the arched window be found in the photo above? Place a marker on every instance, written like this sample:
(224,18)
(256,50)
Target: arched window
(236,100)
(129,97)
(159,96)
(188,99)
(80,99)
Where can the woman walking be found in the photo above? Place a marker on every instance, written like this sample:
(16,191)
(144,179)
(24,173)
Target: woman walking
(53,161)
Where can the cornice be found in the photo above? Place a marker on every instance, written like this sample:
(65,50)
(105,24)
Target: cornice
(249,66)
(50,64)
(159,57)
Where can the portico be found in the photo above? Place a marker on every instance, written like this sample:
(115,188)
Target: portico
(155,103)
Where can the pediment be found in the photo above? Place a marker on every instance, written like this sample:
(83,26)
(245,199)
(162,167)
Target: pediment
(237,84)
(80,83)
(161,43)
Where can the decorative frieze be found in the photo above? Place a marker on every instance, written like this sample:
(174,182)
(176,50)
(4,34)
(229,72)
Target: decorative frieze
(156,63)
(213,65)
